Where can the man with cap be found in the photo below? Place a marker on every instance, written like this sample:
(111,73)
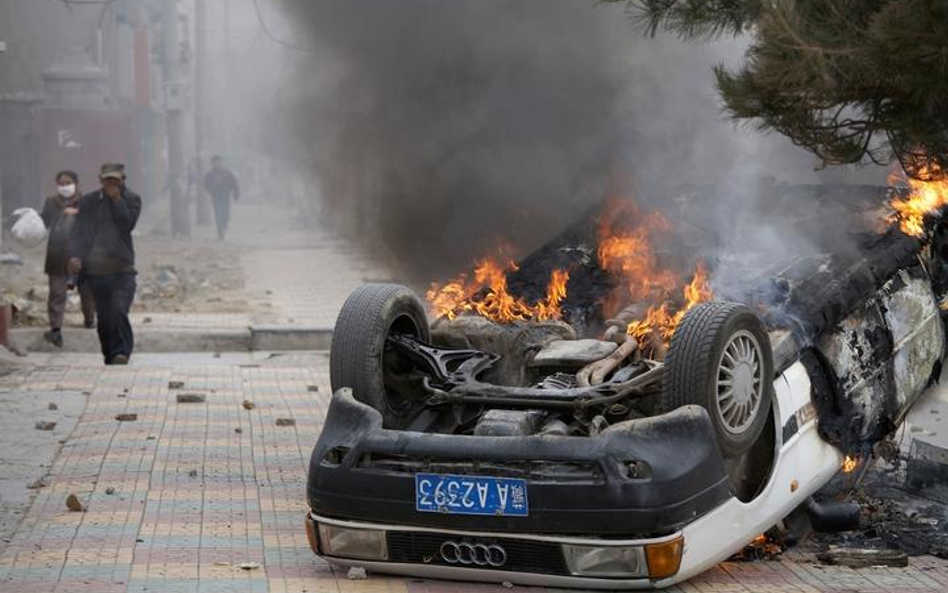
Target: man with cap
(101,255)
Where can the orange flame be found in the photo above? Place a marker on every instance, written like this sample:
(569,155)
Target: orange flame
(928,193)
(488,296)
(662,320)
(625,248)
(555,294)
(849,464)
(629,252)
(626,235)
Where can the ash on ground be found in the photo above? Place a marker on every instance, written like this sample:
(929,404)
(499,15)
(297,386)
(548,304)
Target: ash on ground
(898,512)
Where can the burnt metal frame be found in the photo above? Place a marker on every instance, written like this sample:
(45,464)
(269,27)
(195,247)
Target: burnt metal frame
(461,385)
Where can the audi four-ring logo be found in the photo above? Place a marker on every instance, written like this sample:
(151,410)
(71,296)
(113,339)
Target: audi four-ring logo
(469,554)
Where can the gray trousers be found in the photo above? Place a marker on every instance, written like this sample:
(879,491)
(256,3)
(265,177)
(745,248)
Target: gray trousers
(221,213)
(57,302)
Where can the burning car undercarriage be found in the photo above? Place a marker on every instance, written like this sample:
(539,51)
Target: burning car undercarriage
(625,404)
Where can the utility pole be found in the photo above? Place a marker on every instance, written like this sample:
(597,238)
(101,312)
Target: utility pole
(174,115)
(200,69)
(228,111)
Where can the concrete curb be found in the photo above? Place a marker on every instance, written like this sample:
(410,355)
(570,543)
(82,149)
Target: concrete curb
(277,338)
(151,339)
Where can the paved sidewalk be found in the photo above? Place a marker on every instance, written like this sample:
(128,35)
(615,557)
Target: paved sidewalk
(179,498)
(298,275)
(295,278)
(307,287)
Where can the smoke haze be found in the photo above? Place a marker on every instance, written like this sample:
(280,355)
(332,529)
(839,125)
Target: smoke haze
(437,128)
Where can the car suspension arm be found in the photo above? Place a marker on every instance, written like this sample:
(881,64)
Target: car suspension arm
(579,398)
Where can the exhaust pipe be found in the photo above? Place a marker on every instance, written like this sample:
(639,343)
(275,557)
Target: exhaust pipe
(832,517)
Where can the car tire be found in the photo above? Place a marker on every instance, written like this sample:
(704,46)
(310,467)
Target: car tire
(720,358)
(370,315)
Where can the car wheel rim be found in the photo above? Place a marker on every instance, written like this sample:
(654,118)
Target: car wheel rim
(740,385)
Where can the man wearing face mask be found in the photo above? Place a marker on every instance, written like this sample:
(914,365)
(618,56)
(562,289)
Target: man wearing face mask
(102,255)
(59,214)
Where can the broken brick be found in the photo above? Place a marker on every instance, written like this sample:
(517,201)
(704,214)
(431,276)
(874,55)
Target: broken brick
(74,505)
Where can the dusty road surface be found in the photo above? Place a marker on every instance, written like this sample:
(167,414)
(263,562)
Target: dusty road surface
(209,496)
(275,271)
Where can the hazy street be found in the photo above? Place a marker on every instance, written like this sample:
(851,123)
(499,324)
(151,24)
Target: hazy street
(420,296)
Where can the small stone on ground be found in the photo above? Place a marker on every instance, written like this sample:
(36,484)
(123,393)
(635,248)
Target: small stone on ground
(74,505)
(357,573)
(191,398)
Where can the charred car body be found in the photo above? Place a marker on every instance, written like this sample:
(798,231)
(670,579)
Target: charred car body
(474,450)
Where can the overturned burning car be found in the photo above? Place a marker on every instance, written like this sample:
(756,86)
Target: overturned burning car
(631,449)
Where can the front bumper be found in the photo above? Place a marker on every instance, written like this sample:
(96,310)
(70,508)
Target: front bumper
(528,559)
(645,477)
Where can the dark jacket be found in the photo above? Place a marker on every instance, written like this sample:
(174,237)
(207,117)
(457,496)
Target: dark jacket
(221,183)
(122,214)
(60,226)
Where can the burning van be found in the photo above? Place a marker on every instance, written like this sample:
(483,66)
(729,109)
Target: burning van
(629,439)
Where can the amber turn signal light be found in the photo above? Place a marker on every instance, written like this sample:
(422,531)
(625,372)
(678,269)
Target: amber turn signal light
(664,559)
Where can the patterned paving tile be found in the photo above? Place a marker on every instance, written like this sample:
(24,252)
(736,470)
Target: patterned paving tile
(180,498)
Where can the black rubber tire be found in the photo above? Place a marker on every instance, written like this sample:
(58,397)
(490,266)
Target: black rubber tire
(691,368)
(369,316)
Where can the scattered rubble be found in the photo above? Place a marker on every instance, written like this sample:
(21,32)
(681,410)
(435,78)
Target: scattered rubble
(863,557)
(357,573)
(44,425)
(286,421)
(37,484)
(191,398)
(895,516)
(126,417)
(191,277)
(74,505)
(168,283)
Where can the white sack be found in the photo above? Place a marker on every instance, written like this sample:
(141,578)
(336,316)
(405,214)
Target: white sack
(28,230)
